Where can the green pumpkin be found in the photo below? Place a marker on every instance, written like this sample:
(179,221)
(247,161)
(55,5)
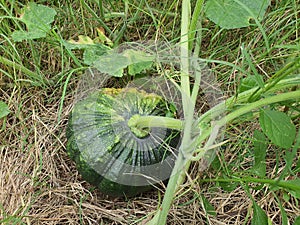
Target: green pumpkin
(114,157)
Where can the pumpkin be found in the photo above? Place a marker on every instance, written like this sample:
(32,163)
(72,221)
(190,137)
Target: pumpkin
(118,159)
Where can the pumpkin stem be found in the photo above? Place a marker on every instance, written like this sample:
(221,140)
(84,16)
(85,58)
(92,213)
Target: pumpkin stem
(138,131)
(140,125)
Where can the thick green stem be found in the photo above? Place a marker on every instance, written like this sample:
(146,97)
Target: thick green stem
(256,105)
(245,109)
(178,173)
(142,122)
(188,105)
(172,123)
(184,57)
(243,97)
(177,178)
(158,121)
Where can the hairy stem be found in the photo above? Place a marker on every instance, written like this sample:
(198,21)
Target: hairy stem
(256,105)
(243,97)
(184,57)
(178,173)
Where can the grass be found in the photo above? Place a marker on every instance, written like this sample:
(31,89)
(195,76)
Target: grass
(38,80)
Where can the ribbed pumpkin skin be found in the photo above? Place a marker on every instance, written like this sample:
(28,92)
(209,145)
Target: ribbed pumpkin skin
(99,138)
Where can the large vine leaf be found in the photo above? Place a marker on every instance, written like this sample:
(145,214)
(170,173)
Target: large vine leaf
(93,49)
(232,14)
(278,127)
(4,110)
(113,63)
(38,19)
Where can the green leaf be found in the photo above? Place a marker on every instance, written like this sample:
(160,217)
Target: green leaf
(137,68)
(297,167)
(209,208)
(93,52)
(278,127)
(114,63)
(284,217)
(293,186)
(111,64)
(260,148)
(232,14)
(259,216)
(297,221)
(216,164)
(18,36)
(286,197)
(247,83)
(4,110)
(37,19)
(228,186)
(256,77)
(139,61)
